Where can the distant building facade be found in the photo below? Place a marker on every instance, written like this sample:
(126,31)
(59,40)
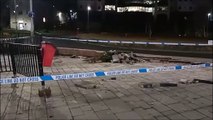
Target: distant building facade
(95,5)
(19,18)
(44,14)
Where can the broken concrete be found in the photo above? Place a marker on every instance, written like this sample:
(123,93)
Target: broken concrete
(203,81)
(86,85)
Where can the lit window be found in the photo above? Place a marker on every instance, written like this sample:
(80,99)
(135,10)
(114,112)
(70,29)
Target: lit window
(110,7)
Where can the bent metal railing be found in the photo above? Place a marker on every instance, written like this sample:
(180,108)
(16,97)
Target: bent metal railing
(21,56)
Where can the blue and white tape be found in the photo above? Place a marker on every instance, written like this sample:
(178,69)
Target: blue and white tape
(133,42)
(99,74)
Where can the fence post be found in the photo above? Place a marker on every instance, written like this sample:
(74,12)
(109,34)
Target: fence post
(40,61)
(12,50)
(12,53)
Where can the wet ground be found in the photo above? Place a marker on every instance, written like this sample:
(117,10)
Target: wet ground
(119,98)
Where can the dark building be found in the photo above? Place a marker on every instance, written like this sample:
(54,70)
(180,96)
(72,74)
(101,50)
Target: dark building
(44,14)
(190,17)
(4,14)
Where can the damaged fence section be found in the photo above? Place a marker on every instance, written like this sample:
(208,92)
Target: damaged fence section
(100,74)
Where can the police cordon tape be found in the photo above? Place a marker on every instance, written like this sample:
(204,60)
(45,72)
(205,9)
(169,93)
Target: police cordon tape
(99,74)
(26,37)
(210,43)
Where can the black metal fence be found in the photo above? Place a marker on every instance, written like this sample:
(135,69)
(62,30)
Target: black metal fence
(5,58)
(21,55)
(26,59)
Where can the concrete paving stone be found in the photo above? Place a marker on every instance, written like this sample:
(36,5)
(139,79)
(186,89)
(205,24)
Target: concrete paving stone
(161,118)
(81,99)
(178,107)
(185,101)
(209,108)
(124,91)
(128,116)
(193,115)
(140,104)
(76,111)
(86,108)
(70,98)
(75,104)
(177,117)
(146,98)
(119,94)
(92,98)
(58,103)
(117,105)
(193,95)
(108,87)
(153,112)
(98,106)
(105,94)
(87,116)
(130,98)
(37,114)
(59,113)
(54,99)
(144,114)
(9,117)
(135,91)
(160,107)
(23,116)
(191,106)
(205,111)
(206,118)
(170,112)
(201,102)
(163,99)
(67,93)
(106,115)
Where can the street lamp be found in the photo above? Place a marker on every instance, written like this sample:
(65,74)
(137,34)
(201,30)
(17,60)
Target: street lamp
(88,10)
(209,15)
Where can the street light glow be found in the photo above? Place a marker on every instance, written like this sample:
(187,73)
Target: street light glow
(44,19)
(88,8)
(59,14)
(209,14)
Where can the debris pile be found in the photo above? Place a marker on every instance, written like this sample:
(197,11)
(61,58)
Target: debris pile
(120,57)
(173,84)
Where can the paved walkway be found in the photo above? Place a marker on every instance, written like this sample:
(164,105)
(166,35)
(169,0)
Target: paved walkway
(123,98)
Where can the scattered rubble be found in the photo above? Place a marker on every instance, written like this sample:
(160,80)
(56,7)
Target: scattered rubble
(86,85)
(147,85)
(152,85)
(114,56)
(203,81)
(73,56)
(46,92)
(120,57)
(185,81)
(173,84)
(168,84)
(90,60)
(113,78)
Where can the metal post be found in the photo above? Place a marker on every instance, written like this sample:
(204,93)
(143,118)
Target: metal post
(32,21)
(88,10)
(15,12)
(87,20)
